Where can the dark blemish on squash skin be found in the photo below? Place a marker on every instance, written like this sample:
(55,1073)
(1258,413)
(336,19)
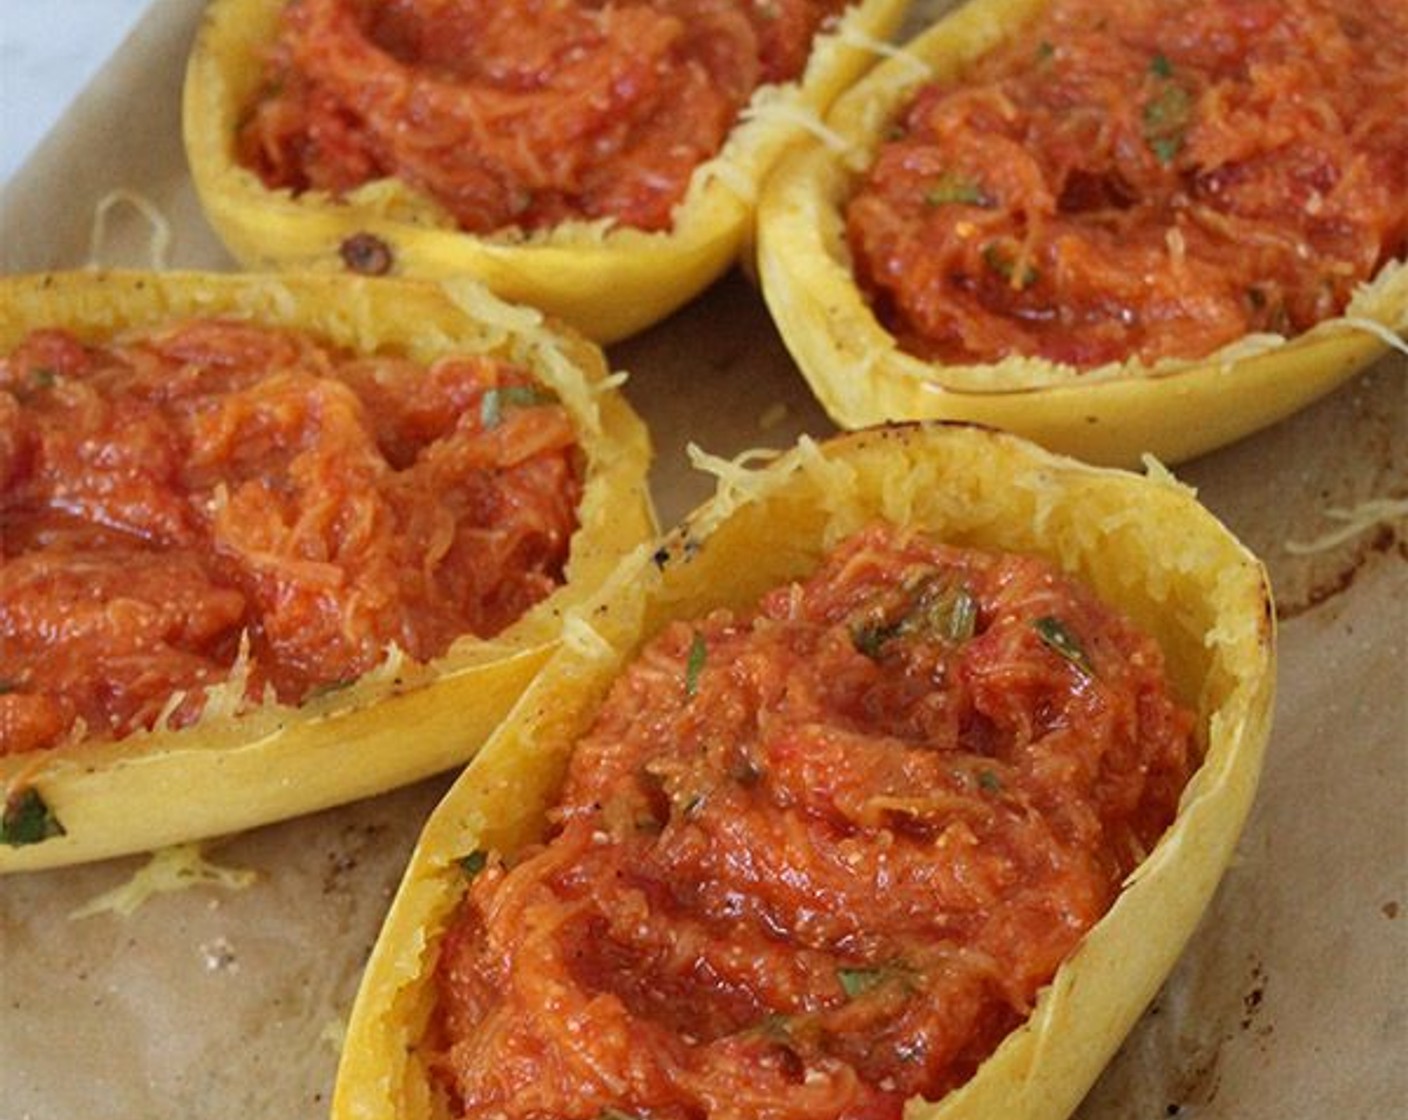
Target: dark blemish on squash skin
(366,254)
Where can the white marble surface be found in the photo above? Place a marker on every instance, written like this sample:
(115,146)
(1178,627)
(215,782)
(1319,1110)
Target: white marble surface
(48,53)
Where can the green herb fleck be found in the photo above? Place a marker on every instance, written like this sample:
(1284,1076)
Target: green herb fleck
(989,782)
(474,863)
(1161,67)
(7,687)
(936,609)
(1057,637)
(698,652)
(1166,148)
(961,616)
(499,398)
(1166,115)
(1002,262)
(44,377)
(950,188)
(27,819)
(616,1114)
(857,981)
(1045,51)
(869,637)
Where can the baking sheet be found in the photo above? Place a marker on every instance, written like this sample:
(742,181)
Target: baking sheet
(222,1001)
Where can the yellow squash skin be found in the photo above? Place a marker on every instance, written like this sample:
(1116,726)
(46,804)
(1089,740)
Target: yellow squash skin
(401,722)
(1112,415)
(609,284)
(1143,543)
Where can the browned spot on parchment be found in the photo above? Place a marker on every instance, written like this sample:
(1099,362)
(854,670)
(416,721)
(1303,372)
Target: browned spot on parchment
(1384,541)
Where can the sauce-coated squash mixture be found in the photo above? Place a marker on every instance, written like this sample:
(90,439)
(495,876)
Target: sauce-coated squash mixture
(1145,180)
(519,114)
(817,859)
(217,496)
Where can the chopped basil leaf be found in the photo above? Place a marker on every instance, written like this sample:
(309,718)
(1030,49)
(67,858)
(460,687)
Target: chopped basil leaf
(868,637)
(1045,50)
(1053,632)
(961,616)
(989,782)
(1166,118)
(495,400)
(954,188)
(27,819)
(1166,148)
(474,863)
(698,651)
(1160,66)
(938,609)
(1005,265)
(857,981)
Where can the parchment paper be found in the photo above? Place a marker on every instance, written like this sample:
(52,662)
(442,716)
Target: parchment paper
(1291,1002)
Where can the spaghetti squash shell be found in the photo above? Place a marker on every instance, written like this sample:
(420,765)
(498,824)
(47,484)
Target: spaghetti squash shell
(1112,415)
(1143,543)
(607,282)
(402,721)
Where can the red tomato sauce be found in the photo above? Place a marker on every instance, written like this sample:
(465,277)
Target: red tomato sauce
(168,496)
(1150,180)
(521,114)
(817,859)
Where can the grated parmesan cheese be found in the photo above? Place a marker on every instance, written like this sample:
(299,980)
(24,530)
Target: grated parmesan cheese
(177,868)
(160,228)
(853,37)
(1363,517)
(1374,327)
(808,120)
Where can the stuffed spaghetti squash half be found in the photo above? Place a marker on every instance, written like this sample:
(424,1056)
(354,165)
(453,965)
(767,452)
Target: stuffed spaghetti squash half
(599,163)
(274,544)
(750,845)
(1154,230)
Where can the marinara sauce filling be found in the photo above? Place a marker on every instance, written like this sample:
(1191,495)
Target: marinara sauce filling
(178,501)
(817,859)
(1151,181)
(521,114)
